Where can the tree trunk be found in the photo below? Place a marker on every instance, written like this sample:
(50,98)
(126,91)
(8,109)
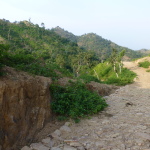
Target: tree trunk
(96,74)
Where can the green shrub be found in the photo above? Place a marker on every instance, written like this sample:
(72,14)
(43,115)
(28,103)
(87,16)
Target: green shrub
(102,70)
(126,77)
(148,70)
(75,101)
(88,78)
(106,73)
(3,55)
(144,64)
(26,62)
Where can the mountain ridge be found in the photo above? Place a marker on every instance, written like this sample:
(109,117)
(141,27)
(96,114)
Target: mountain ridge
(93,42)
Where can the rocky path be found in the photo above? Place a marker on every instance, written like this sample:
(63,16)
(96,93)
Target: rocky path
(124,125)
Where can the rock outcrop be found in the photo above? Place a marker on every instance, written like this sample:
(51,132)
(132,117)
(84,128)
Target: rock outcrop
(101,89)
(24,107)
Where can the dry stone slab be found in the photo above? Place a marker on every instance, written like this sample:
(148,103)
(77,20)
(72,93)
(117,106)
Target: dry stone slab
(66,147)
(57,132)
(25,148)
(56,148)
(39,146)
(65,129)
(48,142)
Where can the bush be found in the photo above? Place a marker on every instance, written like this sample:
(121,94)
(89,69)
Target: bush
(144,64)
(88,78)
(106,73)
(126,77)
(148,70)
(102,70)
(3,55)
(27,62)
(75,101)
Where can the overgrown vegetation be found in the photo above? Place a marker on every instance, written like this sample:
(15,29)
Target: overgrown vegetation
(3,55)
(45,46)
(144,64)
(41,51)
(106,73)
(75,101)
(148,70)
(88,78)
(95,43)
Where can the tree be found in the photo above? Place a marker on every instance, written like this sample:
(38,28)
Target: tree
(119,59)
(116,60)
(113,60)
(3,54)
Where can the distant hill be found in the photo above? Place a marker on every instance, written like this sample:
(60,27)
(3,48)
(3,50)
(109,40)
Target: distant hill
(144,51)
(65,34)
(96,43)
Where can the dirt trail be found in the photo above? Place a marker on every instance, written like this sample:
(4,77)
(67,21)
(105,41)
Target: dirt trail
(143,79)
(124,125)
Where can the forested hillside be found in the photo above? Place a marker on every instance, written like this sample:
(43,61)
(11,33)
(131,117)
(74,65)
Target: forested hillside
(39,51)
(96,43)
(28,41)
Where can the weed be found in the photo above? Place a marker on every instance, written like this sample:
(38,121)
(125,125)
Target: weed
(144,64)
(75,101)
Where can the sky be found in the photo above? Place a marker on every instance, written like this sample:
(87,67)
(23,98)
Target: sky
(124,22)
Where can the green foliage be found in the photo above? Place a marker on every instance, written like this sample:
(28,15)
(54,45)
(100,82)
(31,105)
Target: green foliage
(144,64)
(103,70)
(126,77)
(75,101)
(106,73)
(148,70)
(45,45)
(103,47)
(88,78)
(3,55)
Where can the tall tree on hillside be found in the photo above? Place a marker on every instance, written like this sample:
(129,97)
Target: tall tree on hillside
(119,60)
(116,60)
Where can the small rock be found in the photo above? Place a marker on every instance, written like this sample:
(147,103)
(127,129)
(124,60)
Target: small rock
(129,104)
(65,129)
(48,142)
(139,114)
(142,127)
(56,148)
(75,144)
(115,135)
(69,148)
(67,124)
(81,148)
(24,148)
(106,97)
(135,147)
(123,147)
(55,136)
(57,132)
(86,134)
(106,122)
(39,146)
(99,143)
(69,141)
(92,123)
(144,135)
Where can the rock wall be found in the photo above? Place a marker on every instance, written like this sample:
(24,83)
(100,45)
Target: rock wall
(24,107)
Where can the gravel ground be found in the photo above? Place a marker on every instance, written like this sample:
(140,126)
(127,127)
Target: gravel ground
(124,125)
